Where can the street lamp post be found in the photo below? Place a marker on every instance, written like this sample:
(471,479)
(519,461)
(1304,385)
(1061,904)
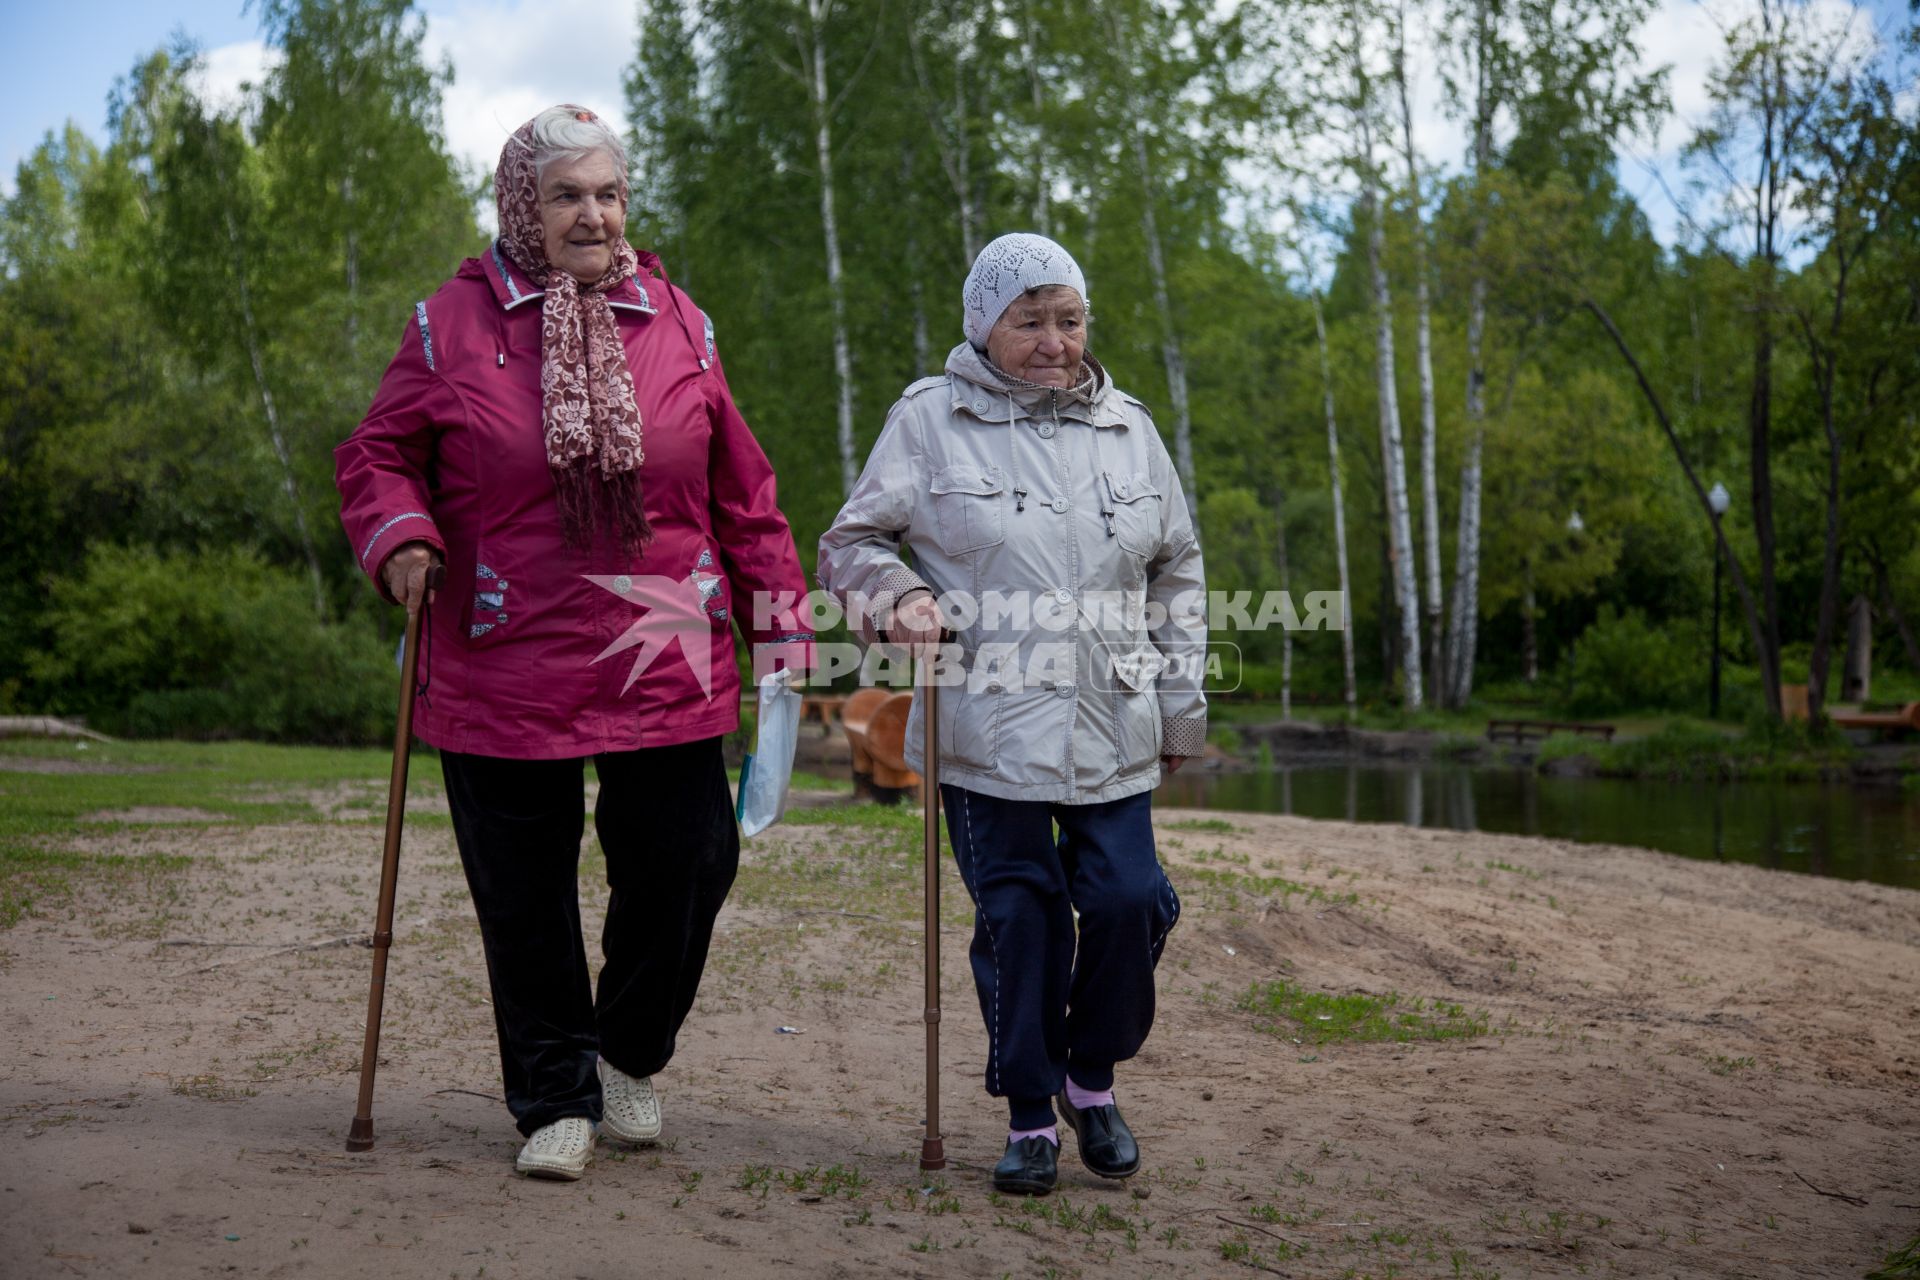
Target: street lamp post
(1719,500)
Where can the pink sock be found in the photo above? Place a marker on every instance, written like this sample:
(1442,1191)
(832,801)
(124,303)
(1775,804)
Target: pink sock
(1050,1133)
(1084,1098)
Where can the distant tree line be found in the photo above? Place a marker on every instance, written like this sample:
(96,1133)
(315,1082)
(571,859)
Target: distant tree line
(1473,390)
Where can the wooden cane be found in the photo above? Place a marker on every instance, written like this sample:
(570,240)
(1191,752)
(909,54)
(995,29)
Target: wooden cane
(933,1153)
(360,1135)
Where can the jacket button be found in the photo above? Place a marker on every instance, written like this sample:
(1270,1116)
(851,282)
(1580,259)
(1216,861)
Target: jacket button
(1064,688)
(1064,596)
(1059,504)
(1046,431)
(979,406)
(993,686)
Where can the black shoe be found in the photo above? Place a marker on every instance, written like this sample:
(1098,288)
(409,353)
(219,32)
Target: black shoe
(1106,1144)
(1029,1168)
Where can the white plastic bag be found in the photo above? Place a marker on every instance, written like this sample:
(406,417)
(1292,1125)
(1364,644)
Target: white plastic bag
(768,768)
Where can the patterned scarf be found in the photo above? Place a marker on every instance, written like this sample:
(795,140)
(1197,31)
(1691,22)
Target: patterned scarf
(587,406)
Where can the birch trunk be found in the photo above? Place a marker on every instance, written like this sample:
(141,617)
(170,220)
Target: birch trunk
(1042,213)
(1170,337)
(257,359)
(1463,624)
(955,151)
(814,58)
(1170,352)
(1393,458)
(1286,636)
(1433,599)
(1529,639)
(1348,691)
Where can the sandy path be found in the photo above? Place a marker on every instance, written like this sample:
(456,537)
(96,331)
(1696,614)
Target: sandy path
(1669,1048)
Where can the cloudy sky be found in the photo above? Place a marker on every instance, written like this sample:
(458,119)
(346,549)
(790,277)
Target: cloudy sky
(511,57)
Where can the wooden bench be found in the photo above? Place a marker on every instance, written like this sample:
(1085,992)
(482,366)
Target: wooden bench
(822,709)
(1522,731)
(875,721)
(1907,719)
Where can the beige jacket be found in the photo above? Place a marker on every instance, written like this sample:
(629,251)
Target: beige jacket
(1058,515)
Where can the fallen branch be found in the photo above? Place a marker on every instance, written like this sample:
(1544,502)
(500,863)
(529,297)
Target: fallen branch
(1235,1222)
(1832,1195)
(472,1093)
(326,944)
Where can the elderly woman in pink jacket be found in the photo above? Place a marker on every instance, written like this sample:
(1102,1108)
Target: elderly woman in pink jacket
(556,429)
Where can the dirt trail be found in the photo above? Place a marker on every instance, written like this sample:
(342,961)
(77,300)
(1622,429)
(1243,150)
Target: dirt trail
(1673,1061)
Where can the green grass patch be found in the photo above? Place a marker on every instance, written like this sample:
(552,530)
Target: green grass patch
(1284,1008)
(1213,826)
(1693,750)
(1901,1264)
(44,814)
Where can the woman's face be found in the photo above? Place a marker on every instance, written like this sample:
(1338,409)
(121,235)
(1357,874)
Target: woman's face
(1041,336)
(582,215)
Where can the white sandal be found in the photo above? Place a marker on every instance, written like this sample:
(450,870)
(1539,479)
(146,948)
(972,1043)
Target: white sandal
(629,1108)
(560,1150)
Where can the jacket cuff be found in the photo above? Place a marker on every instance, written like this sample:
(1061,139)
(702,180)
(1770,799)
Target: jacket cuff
(888,592)
(1184,736)
(393,533)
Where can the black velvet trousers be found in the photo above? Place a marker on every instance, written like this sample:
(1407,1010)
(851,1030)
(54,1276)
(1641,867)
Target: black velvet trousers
(665,821)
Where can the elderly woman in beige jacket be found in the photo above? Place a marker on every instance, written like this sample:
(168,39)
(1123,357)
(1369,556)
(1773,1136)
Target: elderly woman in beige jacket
(1048,531)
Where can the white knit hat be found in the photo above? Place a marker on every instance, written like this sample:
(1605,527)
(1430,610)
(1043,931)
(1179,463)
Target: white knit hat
(1008,268)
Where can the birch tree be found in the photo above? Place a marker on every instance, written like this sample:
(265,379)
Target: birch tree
(807,22)
(1126,46)
(1348,693)
(1432,599)
(1393,462)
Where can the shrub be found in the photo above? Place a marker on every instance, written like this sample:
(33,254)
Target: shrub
(215,644)
(1621,662)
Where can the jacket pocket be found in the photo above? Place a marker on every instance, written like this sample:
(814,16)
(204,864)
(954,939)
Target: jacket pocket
(1138,713)
(1136,511)
(967,502)
(970,726)
(488,612)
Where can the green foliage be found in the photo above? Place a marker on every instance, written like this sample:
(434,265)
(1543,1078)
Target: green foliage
(1622,661)
(1324,1018)
(196,306)
(1901,1264)
(214,644)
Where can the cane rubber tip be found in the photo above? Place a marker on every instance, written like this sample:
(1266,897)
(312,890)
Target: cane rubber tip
(360,1135)
(933,1154)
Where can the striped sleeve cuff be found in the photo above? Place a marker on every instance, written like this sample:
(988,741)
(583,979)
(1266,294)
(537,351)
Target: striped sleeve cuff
(893,584)
(1185,736)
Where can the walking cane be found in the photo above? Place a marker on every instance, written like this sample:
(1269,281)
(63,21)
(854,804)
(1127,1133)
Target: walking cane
(933,1153)
(360,1135)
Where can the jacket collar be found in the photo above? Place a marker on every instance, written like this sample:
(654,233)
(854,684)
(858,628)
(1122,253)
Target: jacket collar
(512,289)
(981,390)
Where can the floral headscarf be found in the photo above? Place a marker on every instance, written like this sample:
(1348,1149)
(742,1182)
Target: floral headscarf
(587,406)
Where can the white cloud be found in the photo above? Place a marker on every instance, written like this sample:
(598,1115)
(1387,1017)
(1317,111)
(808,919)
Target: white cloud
(225,71)
(510,60)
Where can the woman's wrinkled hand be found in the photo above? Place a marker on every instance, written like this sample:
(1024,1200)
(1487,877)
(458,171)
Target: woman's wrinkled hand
(1173,763)
(405,574)
(916,620)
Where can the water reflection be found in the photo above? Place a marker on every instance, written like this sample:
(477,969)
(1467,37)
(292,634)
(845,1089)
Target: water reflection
(1847,832)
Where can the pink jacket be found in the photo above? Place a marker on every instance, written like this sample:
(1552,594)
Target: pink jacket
(538,650)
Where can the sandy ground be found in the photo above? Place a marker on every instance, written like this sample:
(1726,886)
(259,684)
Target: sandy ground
(1681,1070)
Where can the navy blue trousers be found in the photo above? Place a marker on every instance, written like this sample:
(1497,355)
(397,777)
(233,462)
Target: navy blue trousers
(665,821)
(1054,1002)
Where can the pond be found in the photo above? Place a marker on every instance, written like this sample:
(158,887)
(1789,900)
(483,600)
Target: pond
(1852,833)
